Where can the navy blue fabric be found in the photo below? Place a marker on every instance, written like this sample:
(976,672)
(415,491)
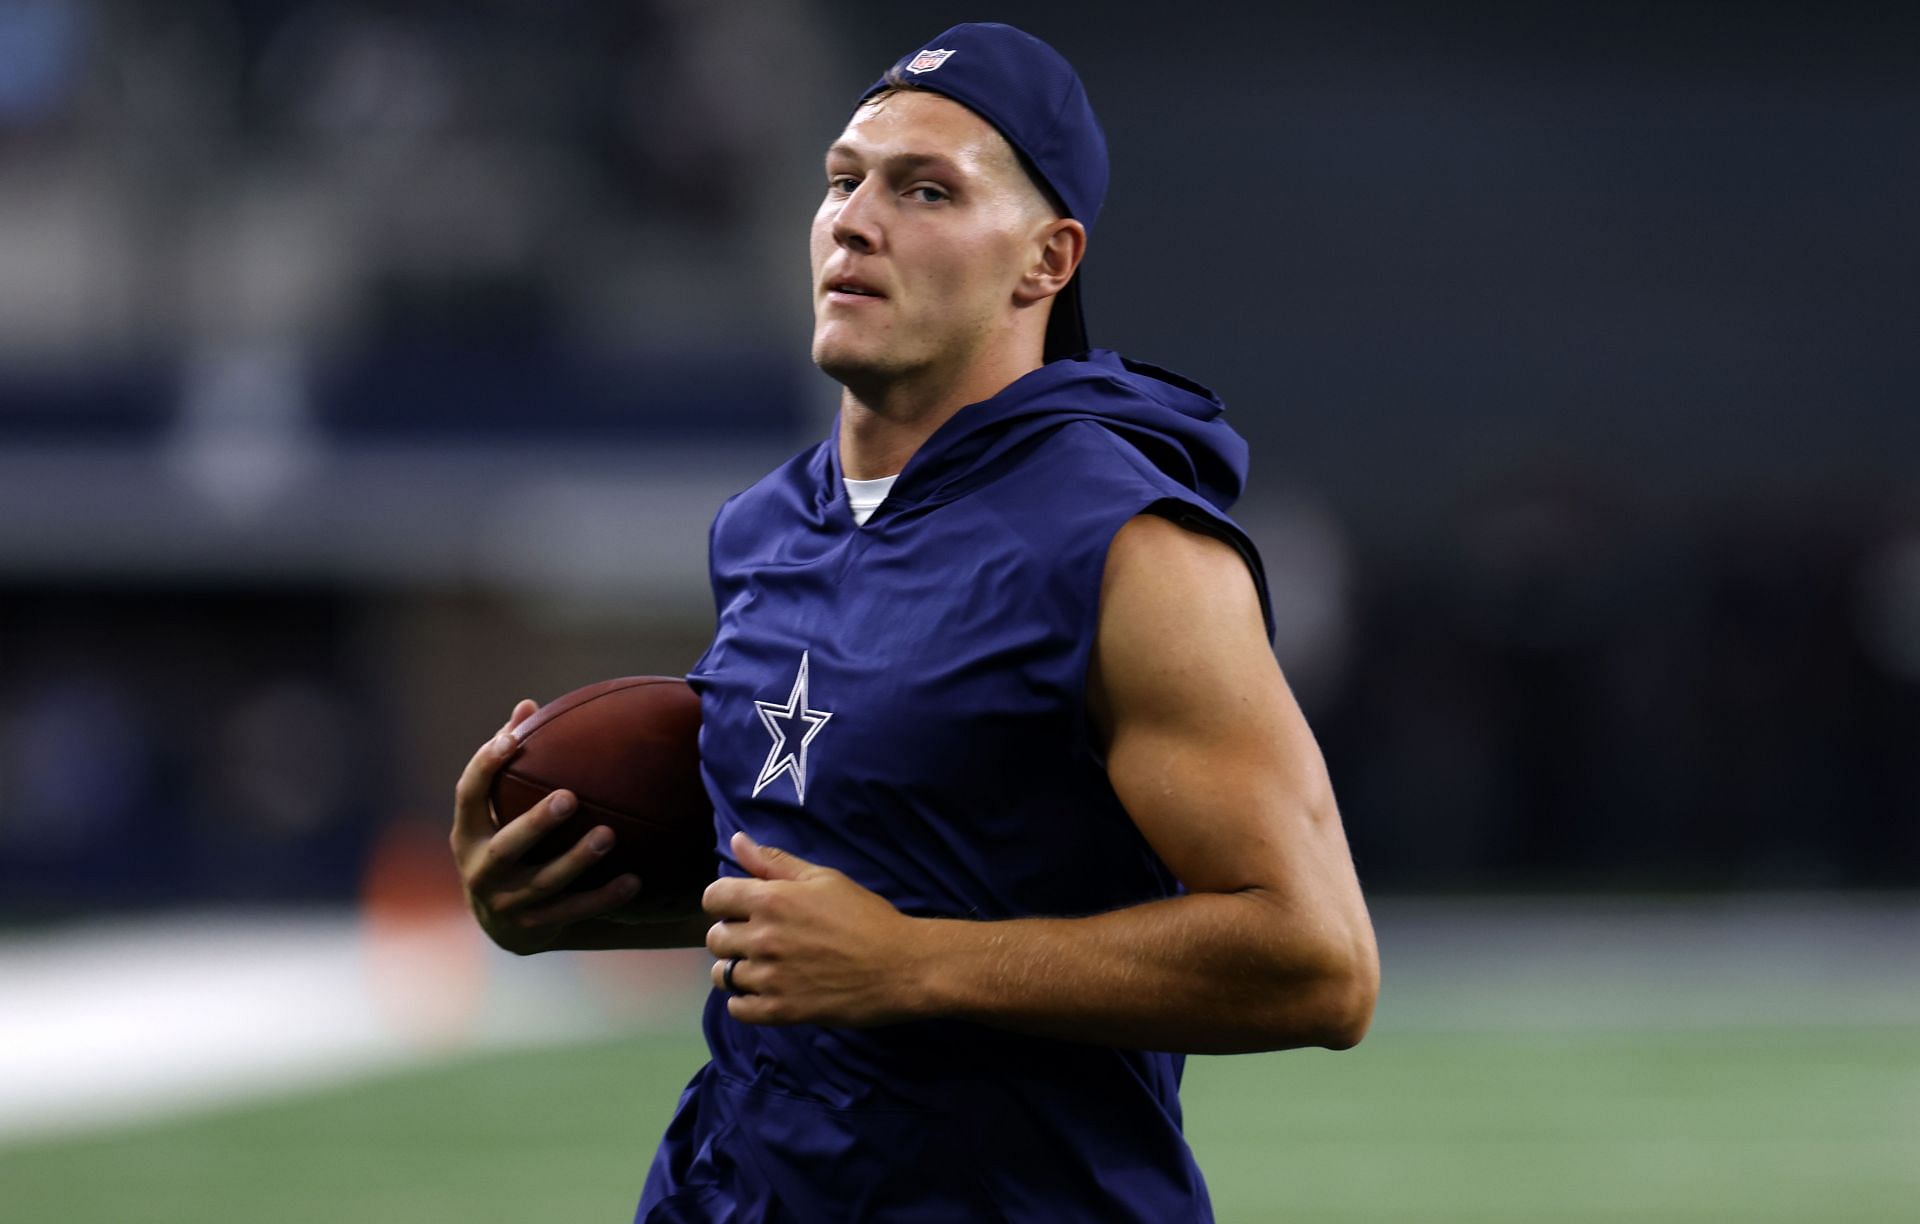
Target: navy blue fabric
(939,753)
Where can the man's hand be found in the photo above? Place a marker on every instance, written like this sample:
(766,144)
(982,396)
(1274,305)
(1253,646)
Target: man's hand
(813,947)
(514,902)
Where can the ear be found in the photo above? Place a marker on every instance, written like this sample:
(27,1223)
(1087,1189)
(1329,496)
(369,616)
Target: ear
(1061,243)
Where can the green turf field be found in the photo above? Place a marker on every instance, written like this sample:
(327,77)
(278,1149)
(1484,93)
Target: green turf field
(1758,1124)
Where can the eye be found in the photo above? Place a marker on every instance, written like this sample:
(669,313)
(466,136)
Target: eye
(842,184)
(928,195)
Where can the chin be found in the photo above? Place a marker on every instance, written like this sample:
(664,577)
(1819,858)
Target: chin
(852,365)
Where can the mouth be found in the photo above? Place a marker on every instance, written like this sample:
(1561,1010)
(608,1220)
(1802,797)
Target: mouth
(852,291)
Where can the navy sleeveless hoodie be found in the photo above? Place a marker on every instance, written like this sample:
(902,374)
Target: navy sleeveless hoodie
(905,701)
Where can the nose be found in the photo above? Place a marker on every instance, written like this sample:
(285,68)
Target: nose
(856,226)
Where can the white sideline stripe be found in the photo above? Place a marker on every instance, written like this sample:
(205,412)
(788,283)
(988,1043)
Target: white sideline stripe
(112,1022)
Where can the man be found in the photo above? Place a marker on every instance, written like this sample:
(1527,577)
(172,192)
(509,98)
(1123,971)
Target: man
(1015,806)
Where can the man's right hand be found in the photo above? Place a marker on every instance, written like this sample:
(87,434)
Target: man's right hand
(524,908)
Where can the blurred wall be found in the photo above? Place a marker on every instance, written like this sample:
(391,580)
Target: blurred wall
(365,367)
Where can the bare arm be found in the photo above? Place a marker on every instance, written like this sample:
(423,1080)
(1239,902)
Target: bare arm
(1210,755)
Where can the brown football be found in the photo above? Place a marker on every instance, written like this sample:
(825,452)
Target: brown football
(629,750)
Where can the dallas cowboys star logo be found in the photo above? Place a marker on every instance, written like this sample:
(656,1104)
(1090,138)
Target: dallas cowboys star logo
(786,723)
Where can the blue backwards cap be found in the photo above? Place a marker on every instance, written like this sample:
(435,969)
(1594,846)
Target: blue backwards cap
(1027,91)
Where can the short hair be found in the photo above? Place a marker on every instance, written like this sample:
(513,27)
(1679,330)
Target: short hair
(897,80)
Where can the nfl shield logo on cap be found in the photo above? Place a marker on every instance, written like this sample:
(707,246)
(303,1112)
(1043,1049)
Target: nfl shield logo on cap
(927,61)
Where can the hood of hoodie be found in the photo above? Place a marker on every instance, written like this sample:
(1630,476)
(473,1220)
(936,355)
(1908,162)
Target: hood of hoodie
(1175,422)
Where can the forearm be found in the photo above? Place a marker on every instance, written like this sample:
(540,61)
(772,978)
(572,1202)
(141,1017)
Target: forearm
(1206,973)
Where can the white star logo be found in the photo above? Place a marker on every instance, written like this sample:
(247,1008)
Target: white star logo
(779,720)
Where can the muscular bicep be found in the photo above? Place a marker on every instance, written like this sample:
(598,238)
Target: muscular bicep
(1206,747)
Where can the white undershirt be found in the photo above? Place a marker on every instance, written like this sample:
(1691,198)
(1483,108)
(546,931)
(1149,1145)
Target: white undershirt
(865,496)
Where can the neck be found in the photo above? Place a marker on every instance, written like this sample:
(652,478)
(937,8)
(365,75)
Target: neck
(883,424)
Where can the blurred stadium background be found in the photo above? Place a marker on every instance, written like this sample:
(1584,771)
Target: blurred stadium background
(365,367)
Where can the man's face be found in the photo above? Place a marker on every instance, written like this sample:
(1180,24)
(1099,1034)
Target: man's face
(928,223)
